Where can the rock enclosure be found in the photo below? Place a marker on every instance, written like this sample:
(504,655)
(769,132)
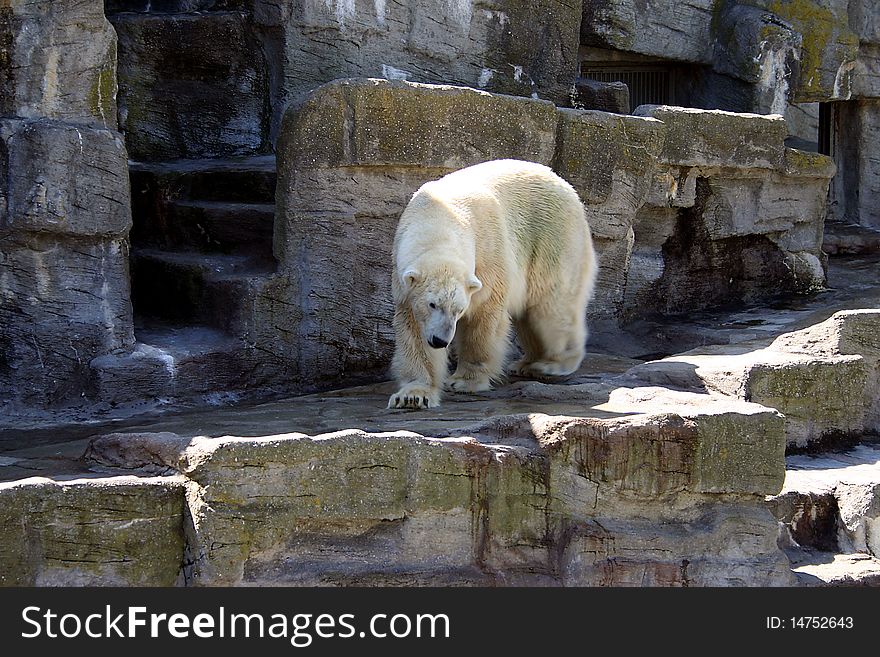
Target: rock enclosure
(197,199)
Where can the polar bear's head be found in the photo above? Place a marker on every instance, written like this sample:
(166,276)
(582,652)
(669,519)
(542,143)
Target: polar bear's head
(438,300)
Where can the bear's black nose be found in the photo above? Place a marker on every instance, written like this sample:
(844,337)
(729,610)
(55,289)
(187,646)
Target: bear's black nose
(437,343)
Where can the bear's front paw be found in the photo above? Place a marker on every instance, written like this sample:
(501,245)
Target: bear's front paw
(415,395)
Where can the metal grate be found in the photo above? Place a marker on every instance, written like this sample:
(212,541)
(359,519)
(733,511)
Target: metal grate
(647,85)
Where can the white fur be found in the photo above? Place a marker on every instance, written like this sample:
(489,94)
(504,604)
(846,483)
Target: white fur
(499,241)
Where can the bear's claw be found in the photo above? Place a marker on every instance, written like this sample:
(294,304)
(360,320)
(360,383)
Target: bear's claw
(413,399)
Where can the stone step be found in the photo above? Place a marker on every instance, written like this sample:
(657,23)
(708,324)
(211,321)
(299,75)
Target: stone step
(196,289)
(235,179)
(172,362)
(831,502)
(211,226)
(170,6)
(191,85)
(843,238)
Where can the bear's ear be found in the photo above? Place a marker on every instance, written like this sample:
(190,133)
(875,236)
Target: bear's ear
(409,278)
(474,284)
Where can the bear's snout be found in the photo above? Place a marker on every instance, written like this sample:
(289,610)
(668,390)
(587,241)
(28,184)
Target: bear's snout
(437,343)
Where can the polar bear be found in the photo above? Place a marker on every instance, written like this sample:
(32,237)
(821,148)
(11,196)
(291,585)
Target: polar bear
(497,242)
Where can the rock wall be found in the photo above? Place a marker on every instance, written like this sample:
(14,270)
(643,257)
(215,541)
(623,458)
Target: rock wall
(212,79)
(675,199)
(192,84)
(520,47)
(64,200)
(796,52)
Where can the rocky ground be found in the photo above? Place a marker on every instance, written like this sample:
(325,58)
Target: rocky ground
(645,468)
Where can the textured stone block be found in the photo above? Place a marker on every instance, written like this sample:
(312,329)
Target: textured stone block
(58,61)
(726,546)
(772,205)
(846,333)
(64,180)
(61,304)
(343,507)
(191,85)
(824,379)
(334,211)
(817,397)
(679,31)
(614,258)
(727,445)
(604,96)
(64,281)
(721,139)
(120,531)
(609,159)
(377,122)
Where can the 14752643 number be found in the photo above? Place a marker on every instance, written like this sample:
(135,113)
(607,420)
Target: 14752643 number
(821,622)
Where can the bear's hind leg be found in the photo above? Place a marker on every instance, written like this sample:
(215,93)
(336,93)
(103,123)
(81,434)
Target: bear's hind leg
(481,344)
(562,335)
(530,344)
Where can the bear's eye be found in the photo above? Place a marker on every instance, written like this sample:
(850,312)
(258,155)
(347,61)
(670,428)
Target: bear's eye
(432,306)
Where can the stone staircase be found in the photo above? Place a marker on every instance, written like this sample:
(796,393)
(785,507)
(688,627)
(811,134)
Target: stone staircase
(202,239)
(193,106)
(201,248)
